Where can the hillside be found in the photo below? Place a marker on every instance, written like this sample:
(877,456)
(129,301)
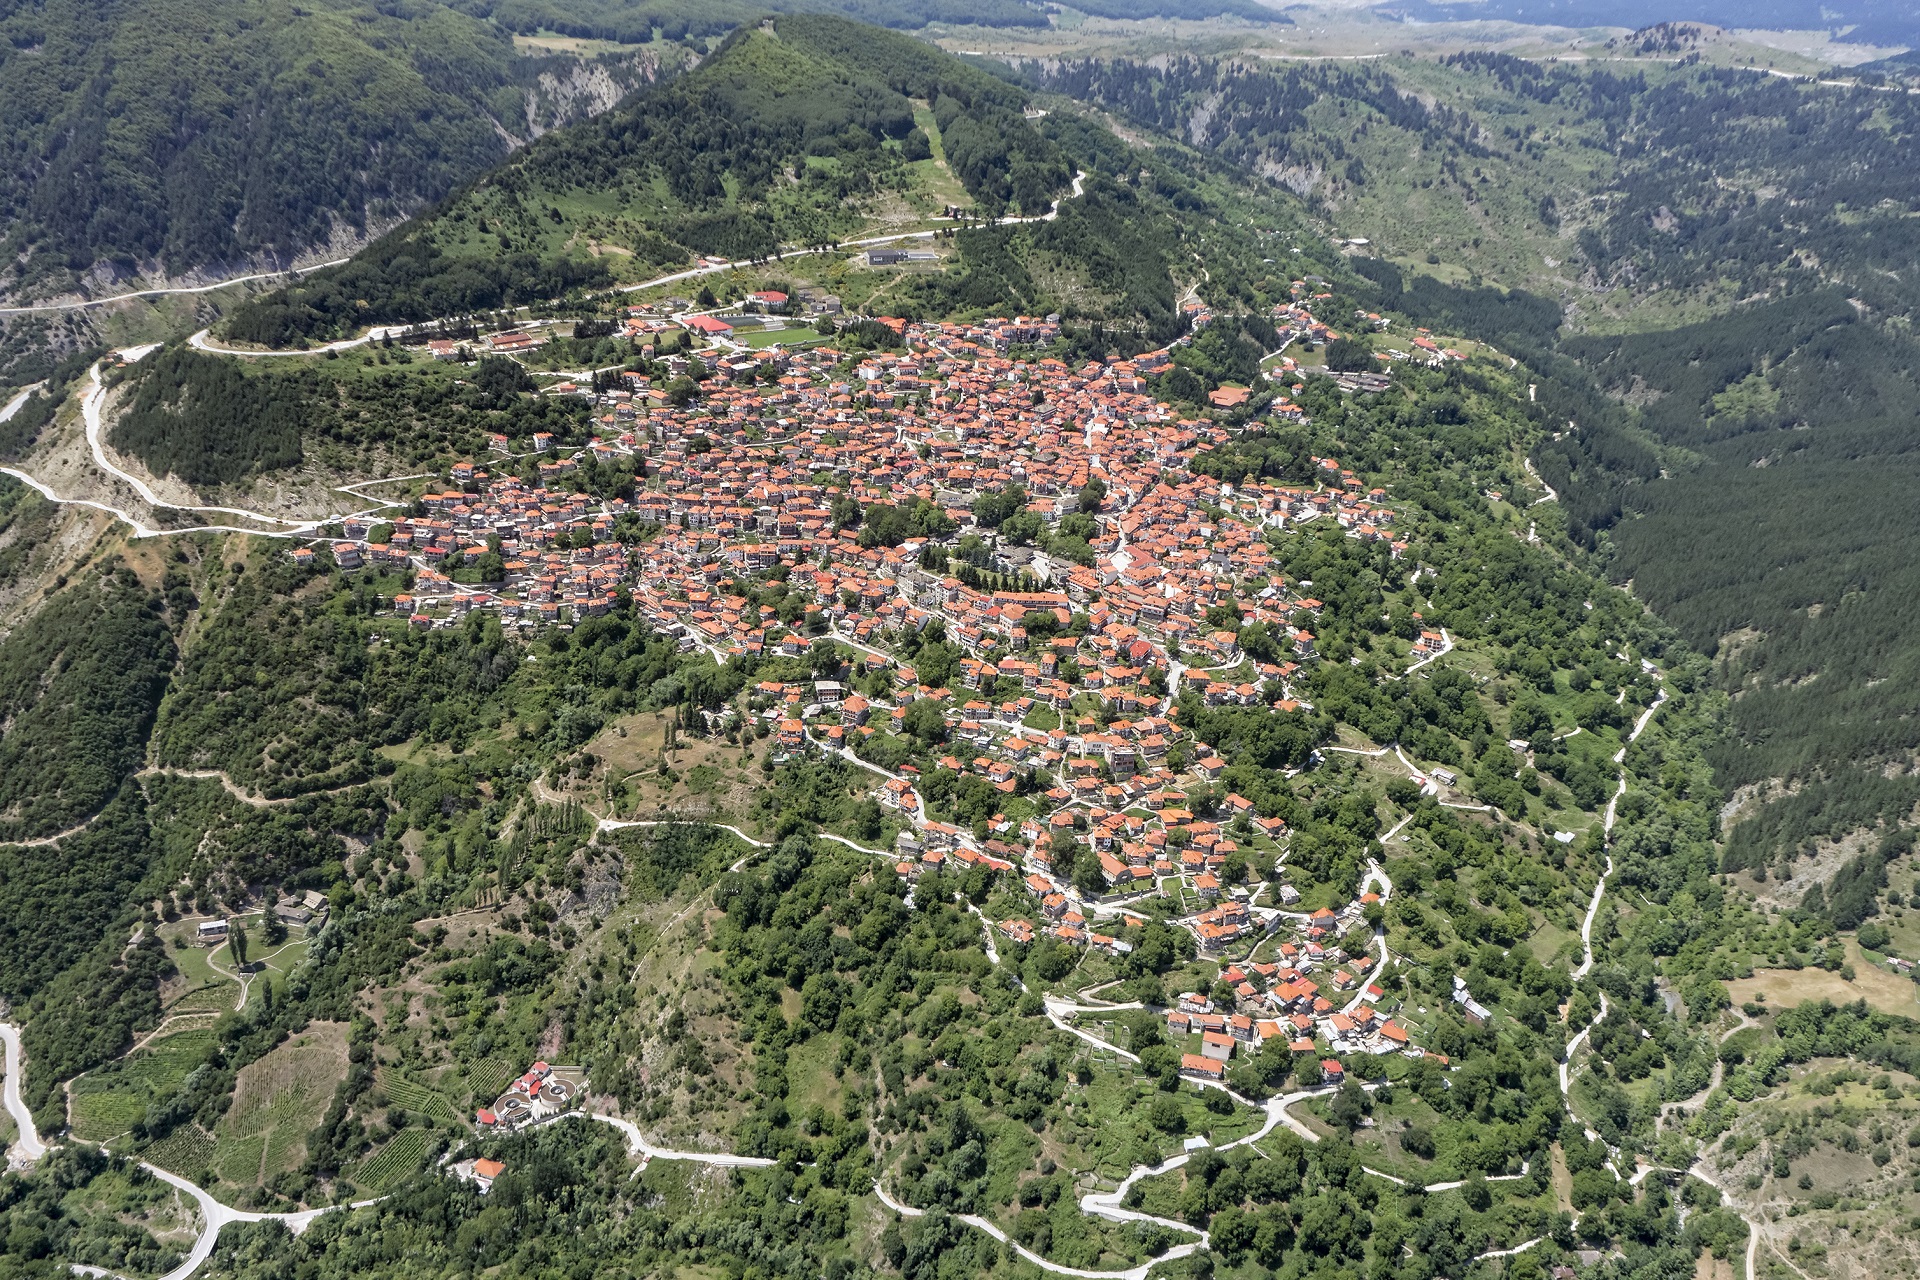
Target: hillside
(1081,747)
(636,21)
(214,138)
(794,134)
(802,1002)
(1866,22)
(1734,362)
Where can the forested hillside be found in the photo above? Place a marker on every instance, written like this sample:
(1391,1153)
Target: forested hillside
(1786,426)
(155,137)
(636,21)
(78,689)
(777,140)
(212,422)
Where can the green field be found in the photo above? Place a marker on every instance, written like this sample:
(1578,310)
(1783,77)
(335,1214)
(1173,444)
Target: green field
(401,1155)
(99,1116)
(216,998)
(277,1102)
(186,1151)
(108,1100)
(417,1097)
(488,1078)
(196,963)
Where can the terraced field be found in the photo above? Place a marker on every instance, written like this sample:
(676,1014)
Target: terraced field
(187,1151)
(487,1078)
(403,1153)
(217,998)
(419,1098)
(108,1100)
(277,1101)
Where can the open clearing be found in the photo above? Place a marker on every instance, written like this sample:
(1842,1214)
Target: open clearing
(108,1100)
(1785,988)
(277,1101)
(706,779)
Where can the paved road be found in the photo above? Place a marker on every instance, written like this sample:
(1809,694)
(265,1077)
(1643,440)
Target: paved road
(975,1220)
(214,1215)
(1551,495)
(14,405)
(644,1148)
(155,293)
(202,341)
(1446,647)
(1376,874)
(986,936)
(27,1147)
(1107,1204)
(867,242)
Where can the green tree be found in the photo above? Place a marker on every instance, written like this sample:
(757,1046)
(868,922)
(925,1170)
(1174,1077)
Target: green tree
(925,721)
(1344,355)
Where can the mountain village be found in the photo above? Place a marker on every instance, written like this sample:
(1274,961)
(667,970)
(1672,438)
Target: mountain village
(743,482)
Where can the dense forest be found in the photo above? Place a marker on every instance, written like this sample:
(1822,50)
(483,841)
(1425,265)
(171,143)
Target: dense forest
(78,687)
(153,136)
(1784,427)
(200,418)
(213,421)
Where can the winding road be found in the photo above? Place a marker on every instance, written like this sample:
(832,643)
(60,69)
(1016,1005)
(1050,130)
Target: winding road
(1551,495)
(641,1147)
(1109,1204)
(203,341)
(1696,1169)
(28,1149)
(284,526)
(1055,1268)
(1376,874)
(1599,890)
(214,1215)
(91,404)
(85,303)
(90,412)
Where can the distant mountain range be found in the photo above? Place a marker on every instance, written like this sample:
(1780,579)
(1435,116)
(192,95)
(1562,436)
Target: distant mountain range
(1879,22)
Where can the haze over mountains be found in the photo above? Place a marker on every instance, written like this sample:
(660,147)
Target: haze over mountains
(1870,22)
